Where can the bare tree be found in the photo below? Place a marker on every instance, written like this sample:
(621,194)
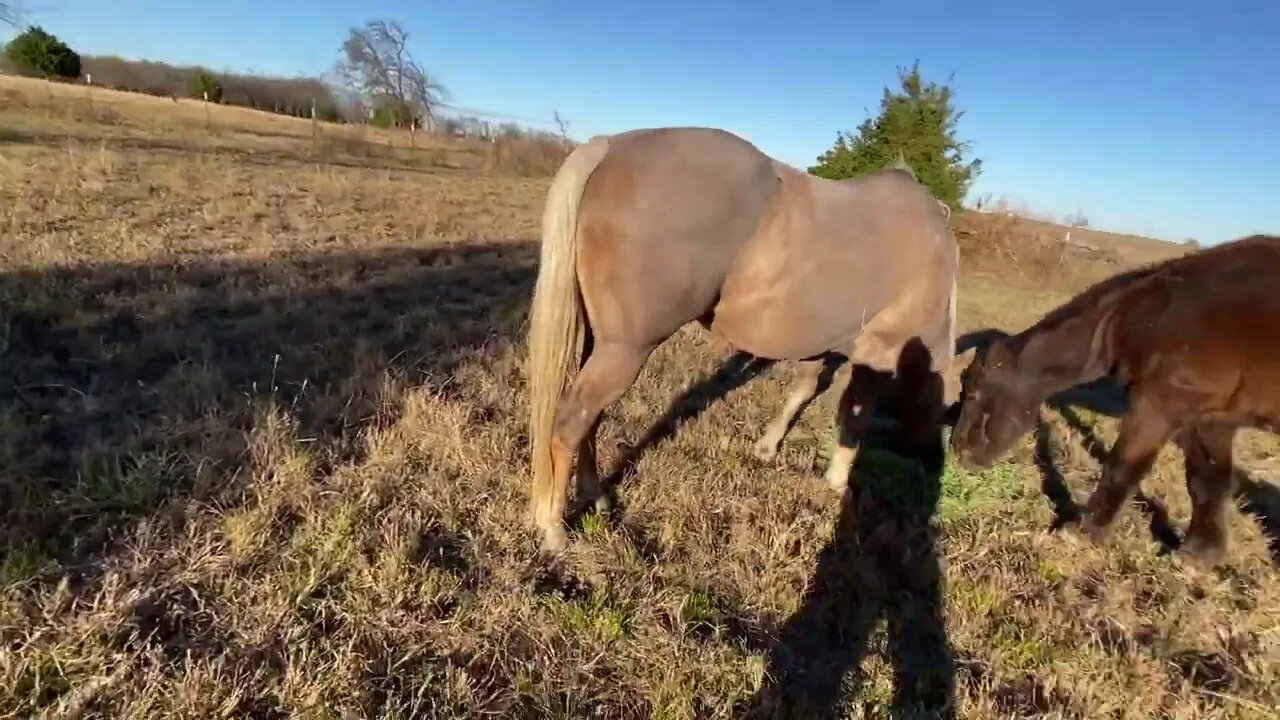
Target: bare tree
(8,15)
(377,64)
(562,129)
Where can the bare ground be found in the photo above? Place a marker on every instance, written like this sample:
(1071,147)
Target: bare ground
(262,455)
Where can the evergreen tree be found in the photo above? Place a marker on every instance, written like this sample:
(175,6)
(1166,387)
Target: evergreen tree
(204,86)
(37,52)
(916,124)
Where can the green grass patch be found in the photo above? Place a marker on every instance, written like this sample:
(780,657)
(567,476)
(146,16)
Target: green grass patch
(127,485)
(965,491)
(903,484)
(1019,646)
(23,563)
(603,616)
(594,526)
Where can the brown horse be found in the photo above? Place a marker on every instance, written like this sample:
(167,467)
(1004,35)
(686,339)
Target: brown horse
(648,230)
(1195,339)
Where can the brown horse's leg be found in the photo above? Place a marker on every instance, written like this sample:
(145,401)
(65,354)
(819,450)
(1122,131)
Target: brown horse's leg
(1207,449)
(853,415)
(606,375)
(807,385)
(1143,430)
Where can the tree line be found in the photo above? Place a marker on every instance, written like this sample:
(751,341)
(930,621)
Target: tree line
(375,80)
(286,96)
(36,52)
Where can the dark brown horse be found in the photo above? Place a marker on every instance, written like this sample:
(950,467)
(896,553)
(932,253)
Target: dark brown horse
(1195,339)
(648,230)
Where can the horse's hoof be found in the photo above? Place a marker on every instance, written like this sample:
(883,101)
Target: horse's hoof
(603,504)
(837,481)
(1093,532)
(554,540)
(1202,554)
(765,451)
(1082,531)
(1070,531)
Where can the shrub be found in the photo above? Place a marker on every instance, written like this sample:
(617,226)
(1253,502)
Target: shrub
(393,113)
(205,86)
(37,52)
(916,125)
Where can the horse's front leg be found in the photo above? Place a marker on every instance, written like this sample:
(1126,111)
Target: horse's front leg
(1143,431)
(853,415)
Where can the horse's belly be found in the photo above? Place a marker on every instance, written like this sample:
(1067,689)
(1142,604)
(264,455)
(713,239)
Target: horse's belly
(784,323)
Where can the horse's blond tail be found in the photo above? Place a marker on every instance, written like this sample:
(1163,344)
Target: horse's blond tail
(556,321)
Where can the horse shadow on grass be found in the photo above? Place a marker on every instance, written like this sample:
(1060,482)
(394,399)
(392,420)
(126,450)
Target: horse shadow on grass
(1107,397)
(130,391)
(881,564)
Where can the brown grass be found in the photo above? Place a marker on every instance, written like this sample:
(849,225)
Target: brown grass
(262,454)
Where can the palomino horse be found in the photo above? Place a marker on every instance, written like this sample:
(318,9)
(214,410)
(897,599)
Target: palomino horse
(648,230)
(1196,339)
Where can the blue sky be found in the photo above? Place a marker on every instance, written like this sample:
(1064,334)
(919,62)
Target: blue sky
(1152,117)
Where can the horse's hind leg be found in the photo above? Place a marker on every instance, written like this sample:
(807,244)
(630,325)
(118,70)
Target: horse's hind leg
(590,489)
(1206,447)
(812,379)
(605,376)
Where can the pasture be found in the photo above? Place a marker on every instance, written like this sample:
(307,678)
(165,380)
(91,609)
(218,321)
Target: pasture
(263,454)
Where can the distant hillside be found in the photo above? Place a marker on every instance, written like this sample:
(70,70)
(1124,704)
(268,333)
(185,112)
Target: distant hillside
(1044,253)
(1128,248)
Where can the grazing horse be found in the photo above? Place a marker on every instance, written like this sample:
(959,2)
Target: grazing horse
(1196,341)
(648,230)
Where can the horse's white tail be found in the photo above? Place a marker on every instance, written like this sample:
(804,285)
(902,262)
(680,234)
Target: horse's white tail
(556,320)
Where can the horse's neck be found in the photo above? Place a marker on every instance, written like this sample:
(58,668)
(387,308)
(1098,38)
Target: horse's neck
(1065,354)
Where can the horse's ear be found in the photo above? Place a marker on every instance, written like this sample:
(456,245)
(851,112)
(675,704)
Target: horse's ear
(951,377)
(962,361)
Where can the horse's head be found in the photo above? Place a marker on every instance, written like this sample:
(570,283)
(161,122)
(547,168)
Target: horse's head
(996,409)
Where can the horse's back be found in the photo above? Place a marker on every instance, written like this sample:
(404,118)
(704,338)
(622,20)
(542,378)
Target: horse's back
(661,219)
(1209,323)
(1223,296)
(832,259)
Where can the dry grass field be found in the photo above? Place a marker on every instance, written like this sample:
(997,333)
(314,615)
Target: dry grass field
(262,455)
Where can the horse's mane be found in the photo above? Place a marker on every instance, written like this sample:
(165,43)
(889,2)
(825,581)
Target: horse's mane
(1113,288)
(1092,297)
